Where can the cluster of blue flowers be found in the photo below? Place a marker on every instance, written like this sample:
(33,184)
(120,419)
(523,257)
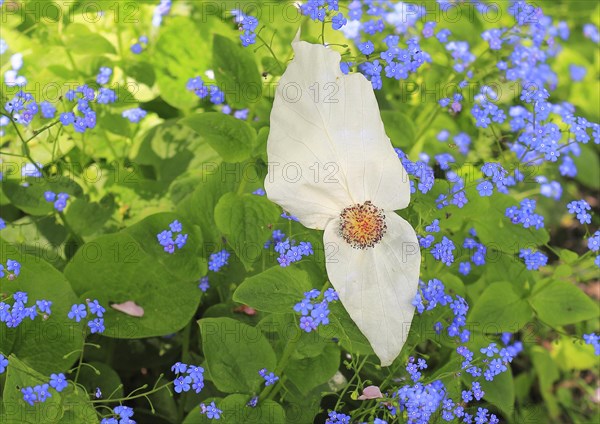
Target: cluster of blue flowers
(270,377)
(432,294)
(124,414)
(477,256)
(419,169)
(80,311)
(139,46)
(248,25)
(290,253)
(23,108)
(591,339)
(165,238)
(525,214)
(533,260)
(60,200)
(188,377)
(14,315)
(337,418)
(88,119)
(200,89)
(211,411)
(13,267)
(218,260)
(41,392)
(314,312)
(580,208)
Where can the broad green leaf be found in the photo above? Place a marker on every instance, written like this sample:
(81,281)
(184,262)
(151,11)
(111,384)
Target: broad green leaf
(80,40)
(275,290)
(312,371)
(172,148)
(199,206)
(108,381)
(234,353)
(499,392)
(588,167)
(66,407)
(132,265)
(87,218)
(30,198)
(245,220)
(40,344)
(236,72)
(233,139)
(345,330)
(197,417)
(548,373)
(560,303)
(399,128)
(235,411)
(500,309)
(176,59)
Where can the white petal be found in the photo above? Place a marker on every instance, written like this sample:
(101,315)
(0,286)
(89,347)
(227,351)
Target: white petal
(327,147)
(377,285)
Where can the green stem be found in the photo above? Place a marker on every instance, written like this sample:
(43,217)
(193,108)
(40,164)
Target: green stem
(154,390)
(271,51)
(356,373)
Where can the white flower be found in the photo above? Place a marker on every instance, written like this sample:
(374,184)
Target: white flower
(333,167)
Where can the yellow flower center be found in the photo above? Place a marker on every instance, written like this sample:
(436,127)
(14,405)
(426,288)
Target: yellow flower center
(363,225)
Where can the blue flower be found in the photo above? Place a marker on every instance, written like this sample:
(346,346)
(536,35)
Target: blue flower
(320,314)
(211,411)
(3,363)
(485,188)
(338,21)
(366,48)
(28,395)
(533,260)
(204,285)
(42,393)
(77,312)
(103,75)
(580,208)
(134,115)
(58,382)
(594,242)
(96,325)
(218,260)
(179,368)
(270,378)
(182,384)
(96,308)
(307,324)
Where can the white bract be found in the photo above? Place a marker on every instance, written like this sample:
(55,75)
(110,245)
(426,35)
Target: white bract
(333,167)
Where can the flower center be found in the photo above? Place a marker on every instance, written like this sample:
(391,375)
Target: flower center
(363,225)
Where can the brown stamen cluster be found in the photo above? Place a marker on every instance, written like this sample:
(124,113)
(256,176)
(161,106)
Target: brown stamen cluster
(363,225)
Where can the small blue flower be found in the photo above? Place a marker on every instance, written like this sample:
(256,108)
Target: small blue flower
(3,363)
(96,308)
(77,312)
(182,384)
(58,382)
(203,284)
(96,325)
(28,395)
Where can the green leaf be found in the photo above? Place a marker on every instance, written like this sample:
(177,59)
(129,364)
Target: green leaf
(41,344)
(588,167)
(235,352)
(496,231)
(399,128)
(86,218)
(176,59)
(548,373)
(343,328)
(80,40)
(199,206)
(500,392)
(172,148)
(65,407)
(275,290)
(500,309)
(235,411)
(233,139)
(245,220)
(236,72)
(560,303)
(30,198)
(312,371)
(108,381)
(131,265)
